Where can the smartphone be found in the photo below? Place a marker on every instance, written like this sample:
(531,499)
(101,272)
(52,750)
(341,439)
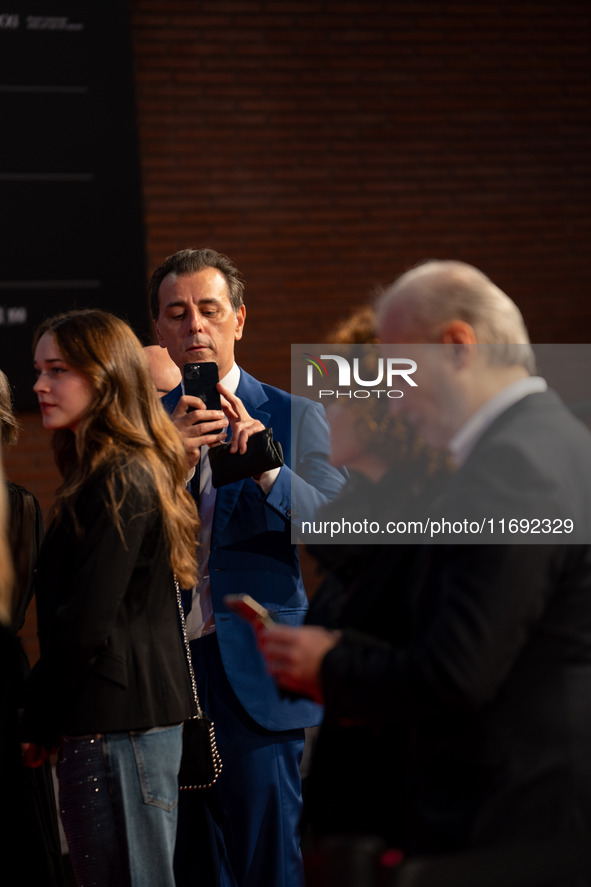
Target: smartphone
(200,380)
(249,609)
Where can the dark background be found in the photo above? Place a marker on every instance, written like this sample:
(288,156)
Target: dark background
(72,226)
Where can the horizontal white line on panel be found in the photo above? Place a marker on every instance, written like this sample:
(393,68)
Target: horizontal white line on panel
(46,177)
(66,90)
(49,284)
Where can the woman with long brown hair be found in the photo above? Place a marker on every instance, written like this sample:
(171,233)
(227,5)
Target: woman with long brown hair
(111,688)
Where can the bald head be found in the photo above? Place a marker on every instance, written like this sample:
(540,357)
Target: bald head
(165,373)
(421,304)
(482,344)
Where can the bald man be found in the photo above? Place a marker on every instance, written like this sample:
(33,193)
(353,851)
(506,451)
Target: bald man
(165,373)
(494,683)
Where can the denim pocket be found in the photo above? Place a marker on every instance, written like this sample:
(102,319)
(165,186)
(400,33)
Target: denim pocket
(158,757)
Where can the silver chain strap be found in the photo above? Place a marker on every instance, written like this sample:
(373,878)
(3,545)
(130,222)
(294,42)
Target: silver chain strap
(215,755)
(187,647)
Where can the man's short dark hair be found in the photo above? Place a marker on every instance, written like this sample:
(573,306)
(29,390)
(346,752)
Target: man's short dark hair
(187,261)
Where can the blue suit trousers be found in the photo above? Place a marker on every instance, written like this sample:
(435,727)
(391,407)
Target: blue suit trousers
(244,832)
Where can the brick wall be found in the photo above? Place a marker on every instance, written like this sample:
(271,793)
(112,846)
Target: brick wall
(327,146)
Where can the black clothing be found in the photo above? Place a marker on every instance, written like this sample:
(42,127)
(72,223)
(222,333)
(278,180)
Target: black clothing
(356,784)
(111,650)
(25,533)
(494,684)
(30,831)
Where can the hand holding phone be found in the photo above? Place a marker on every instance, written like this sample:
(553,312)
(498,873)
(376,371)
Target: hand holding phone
(200,380)
(249,609)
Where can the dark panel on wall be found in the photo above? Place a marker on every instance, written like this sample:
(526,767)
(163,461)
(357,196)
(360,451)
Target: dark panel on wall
(71,218)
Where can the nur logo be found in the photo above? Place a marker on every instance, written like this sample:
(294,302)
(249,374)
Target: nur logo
(387,370)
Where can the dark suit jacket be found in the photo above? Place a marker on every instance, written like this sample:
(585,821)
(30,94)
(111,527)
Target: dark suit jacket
(111,650)
(354,760)
(252,549)
(495,682)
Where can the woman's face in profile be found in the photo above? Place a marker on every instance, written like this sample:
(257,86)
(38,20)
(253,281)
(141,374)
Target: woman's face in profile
(65,394)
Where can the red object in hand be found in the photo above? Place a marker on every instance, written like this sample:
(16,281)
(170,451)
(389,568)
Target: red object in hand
(33,755)
(391,858)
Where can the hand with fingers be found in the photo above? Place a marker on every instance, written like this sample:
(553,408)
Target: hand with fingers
(198,426)
(294,654)
(242,424)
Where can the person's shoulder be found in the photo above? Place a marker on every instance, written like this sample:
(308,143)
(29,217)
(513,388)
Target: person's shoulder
(26,518)
(16,492)
(124,478)
(278,396)
(170,400)
(544,416)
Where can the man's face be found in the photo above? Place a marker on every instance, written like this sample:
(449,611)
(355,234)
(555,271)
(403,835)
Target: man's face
(196,322)
(429,406)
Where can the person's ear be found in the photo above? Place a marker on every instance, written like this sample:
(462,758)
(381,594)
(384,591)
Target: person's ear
(460,335)
(240,318)
(458,332)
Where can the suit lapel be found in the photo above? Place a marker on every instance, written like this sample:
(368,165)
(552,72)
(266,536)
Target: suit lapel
(252,394)
(519,411)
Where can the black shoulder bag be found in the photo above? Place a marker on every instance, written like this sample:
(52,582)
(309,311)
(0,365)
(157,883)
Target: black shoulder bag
(201,763)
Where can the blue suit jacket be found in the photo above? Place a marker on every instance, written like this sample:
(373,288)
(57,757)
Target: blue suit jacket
(252,550)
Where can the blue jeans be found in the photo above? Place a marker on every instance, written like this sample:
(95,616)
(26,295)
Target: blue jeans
(118,797)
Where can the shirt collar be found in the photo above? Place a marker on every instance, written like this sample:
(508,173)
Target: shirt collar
(464,440)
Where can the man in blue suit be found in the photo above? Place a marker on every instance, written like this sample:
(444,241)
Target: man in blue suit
(253,812)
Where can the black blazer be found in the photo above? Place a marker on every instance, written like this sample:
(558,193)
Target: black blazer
(111,649)
(494,684)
